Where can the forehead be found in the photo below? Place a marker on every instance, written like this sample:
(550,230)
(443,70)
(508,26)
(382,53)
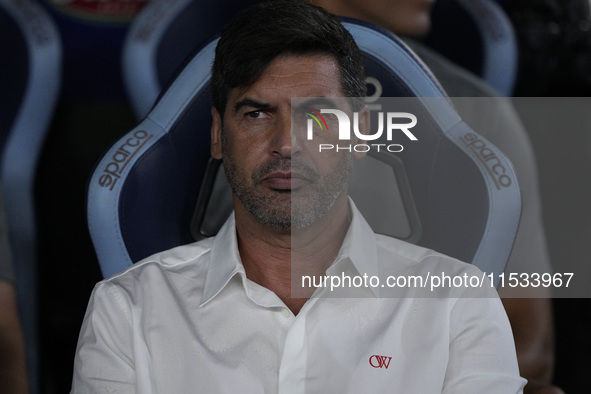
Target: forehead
(290,76)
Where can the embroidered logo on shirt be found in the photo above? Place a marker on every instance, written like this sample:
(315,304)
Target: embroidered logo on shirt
(380,361)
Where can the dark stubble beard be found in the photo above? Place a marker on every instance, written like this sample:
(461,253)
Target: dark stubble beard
(285,209)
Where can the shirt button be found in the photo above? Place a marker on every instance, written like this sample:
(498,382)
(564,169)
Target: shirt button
(286,312)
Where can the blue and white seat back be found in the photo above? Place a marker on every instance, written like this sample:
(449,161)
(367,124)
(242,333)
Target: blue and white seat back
(30,74)
(158,186)
(477,35)
(474,33)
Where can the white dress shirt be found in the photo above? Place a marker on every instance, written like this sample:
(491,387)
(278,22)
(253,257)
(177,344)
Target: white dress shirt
(189,321)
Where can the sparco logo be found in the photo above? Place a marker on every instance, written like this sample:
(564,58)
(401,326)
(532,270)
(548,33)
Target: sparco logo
(495,167)
(380,361)
(345,130)
(121,158)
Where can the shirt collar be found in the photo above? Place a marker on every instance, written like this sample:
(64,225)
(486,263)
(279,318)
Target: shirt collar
(224,260)
(359,247)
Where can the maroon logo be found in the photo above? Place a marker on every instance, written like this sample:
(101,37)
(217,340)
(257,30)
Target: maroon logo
(380,361)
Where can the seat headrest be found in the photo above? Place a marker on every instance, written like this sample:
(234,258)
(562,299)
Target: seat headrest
(149,182)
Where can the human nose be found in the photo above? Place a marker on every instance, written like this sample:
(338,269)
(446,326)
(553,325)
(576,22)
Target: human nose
(285,141)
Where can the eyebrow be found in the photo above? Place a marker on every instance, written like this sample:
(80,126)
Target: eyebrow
(317,101)
(247,102)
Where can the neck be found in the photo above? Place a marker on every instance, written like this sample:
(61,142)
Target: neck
(274,258)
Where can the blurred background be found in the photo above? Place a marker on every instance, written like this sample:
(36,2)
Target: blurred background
(91,109)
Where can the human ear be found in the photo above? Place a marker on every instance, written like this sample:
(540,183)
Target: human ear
(216,134)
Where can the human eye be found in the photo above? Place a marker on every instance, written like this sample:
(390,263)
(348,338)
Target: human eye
(258,114)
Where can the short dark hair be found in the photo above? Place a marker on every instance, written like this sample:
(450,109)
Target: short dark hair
(261,33)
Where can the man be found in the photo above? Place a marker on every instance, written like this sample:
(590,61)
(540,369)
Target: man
(495,119)
(220,316)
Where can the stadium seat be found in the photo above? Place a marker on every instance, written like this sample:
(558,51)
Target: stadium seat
(30,71)
(474,33)
(477,35)
(158,187)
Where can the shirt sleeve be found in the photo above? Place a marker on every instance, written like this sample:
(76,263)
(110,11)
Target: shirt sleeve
(104,361)
(482,356)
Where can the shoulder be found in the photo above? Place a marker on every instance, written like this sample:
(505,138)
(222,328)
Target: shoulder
(426,273)
(182,263)
(413,255)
